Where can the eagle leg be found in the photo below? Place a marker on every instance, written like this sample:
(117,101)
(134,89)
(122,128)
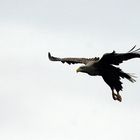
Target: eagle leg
(116,96)
(119,98)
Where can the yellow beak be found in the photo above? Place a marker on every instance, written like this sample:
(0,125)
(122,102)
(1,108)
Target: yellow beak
(78,70)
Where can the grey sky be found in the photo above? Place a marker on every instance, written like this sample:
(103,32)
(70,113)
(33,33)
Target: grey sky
(44,100)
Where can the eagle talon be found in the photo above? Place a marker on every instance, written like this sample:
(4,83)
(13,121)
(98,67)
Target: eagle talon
(119,98)
(115,97)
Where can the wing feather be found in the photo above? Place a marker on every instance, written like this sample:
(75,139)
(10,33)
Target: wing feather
(117,58)
(70,60)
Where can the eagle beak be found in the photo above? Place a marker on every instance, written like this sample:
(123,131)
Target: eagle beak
(78,70)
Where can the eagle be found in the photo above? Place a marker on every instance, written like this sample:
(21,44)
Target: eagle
(106,66)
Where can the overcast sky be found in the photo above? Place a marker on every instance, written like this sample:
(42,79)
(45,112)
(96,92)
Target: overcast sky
(43,100)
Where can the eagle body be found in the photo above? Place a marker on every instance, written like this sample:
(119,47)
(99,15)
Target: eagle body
(106,66)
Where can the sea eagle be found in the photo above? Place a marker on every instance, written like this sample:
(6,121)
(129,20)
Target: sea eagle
(105,67)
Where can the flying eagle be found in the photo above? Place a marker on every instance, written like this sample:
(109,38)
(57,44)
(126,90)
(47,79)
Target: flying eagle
(105,67)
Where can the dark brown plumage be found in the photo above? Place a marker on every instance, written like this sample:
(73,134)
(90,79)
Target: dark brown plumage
(105,67)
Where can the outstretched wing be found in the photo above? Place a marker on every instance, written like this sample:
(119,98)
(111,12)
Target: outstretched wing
(117,58)
(72,60)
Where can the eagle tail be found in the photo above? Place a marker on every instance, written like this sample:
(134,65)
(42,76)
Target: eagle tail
(128,76)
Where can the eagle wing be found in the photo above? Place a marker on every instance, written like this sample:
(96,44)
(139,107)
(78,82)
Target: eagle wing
(70,60)
(117,58)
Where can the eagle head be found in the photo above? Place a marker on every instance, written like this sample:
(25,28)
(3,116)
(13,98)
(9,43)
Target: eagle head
(82,69)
